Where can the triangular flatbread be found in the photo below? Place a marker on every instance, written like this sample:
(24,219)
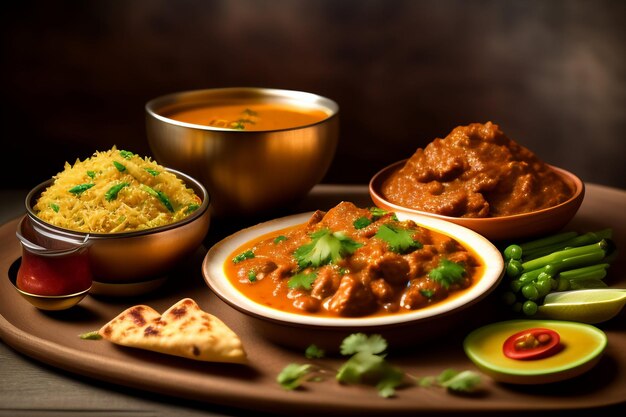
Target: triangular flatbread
(183,330)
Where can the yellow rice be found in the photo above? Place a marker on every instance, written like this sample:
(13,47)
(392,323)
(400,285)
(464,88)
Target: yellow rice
(83,196)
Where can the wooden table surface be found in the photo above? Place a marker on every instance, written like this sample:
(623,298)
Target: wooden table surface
(32,388)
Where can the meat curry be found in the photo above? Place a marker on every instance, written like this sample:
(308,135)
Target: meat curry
(352,262)
(476,171)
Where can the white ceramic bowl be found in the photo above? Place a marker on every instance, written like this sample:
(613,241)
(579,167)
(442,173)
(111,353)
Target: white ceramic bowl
(403,329)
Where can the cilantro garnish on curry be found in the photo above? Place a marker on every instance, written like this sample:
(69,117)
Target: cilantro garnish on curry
(352,262)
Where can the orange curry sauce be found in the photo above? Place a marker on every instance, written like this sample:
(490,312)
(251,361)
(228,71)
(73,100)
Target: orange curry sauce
(372,281)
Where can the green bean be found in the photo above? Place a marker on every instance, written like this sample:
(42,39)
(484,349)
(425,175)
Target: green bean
(563,254)
(535,244)
(581,240)
(532,275)
(597,271)
(585,259)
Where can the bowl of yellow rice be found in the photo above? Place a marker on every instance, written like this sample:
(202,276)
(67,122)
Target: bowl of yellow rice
(141,219)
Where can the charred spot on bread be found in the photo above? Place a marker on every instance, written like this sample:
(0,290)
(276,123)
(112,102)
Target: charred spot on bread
(137,316)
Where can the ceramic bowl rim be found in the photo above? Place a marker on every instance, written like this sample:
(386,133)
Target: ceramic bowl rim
(152,107)
(189,181)
(218,254)
(572,180)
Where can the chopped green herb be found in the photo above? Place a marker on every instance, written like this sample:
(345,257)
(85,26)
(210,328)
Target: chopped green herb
(91,174)
(361,222)
(238,125)
(399,240)
(112,192)
(326,247)
(465,381)
(54,207)
(191,208)
(250,112)
(447,273)
(292,375)
(368,365)
(120,167)
(93,335)
(360,342)
(252,275)
(314,352)
(152,172)
(378,212)
(126,154)
(159,195)
(81,188)
(243,256)
(427,293)
(302,280)
(279,239)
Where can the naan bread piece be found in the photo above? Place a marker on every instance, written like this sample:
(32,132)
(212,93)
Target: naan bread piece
(183,330)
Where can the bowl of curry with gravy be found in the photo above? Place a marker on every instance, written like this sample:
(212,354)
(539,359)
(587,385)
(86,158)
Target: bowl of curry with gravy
(479,178)
(315,278)
(256,150)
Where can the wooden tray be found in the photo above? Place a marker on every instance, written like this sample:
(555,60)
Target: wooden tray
(52,337)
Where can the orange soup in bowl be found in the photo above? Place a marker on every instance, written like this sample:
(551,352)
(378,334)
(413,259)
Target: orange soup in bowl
(252,117)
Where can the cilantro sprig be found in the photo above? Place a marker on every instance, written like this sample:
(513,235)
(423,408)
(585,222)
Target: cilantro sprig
(399,240)
(368,365)
(447,273)
(326,247)
(302,280)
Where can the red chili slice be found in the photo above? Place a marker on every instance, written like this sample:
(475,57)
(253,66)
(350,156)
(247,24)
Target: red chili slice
(530,344)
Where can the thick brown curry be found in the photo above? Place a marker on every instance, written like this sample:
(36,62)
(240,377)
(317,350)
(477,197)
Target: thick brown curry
(476,171)
(352,262)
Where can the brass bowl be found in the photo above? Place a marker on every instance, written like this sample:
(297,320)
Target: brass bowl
(246,172)
(131,263)
(46,302)
(517,226)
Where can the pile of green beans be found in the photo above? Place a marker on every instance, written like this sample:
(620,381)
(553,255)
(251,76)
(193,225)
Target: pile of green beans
(561,262)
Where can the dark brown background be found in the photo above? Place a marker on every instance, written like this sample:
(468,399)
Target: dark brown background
(76,75)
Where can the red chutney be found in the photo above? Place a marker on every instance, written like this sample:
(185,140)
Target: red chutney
(54,275)
(476,171)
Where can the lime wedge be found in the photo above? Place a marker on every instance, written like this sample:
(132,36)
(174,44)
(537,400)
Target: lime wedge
(585,306)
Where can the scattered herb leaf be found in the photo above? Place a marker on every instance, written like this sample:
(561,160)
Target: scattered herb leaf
(368,365)
(279,239)
(252,275)
(360,342)
(361,222)
(93,335)
(91,174)
(399,240)
(243,256)
(55,207)
(302,280)
(465,381)
(447,273)
(314,352)
(293,375)
(326,247)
